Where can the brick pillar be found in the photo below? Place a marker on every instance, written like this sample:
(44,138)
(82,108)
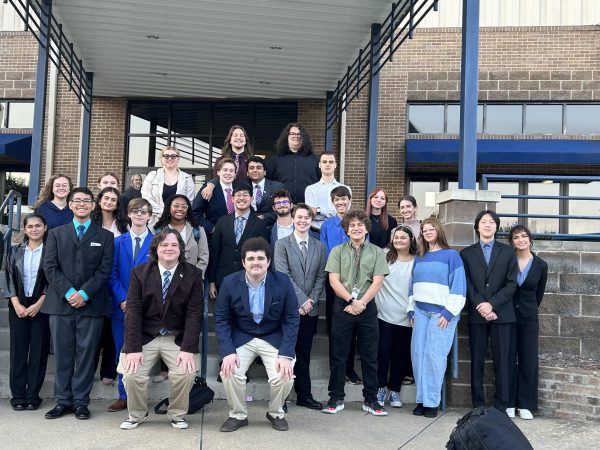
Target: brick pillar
(457,211)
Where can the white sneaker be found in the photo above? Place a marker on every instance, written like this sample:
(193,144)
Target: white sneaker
(510,412)
(525,414)
(394,400)
(130,424)
(179,423)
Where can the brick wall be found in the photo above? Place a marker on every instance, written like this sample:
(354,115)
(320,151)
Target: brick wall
(18,67)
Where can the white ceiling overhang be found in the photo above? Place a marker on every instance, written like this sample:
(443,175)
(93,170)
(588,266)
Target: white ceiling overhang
(218,49)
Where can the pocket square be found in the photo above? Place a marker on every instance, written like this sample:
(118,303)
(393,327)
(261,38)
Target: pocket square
(95,244)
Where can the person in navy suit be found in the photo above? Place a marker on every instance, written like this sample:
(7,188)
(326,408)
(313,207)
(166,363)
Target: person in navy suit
(256,315)
(208,212)
(131,249)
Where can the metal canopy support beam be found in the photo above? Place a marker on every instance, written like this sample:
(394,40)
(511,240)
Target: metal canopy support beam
(328,125)
(467,160)
(86,124)
(39,109)
(373,107)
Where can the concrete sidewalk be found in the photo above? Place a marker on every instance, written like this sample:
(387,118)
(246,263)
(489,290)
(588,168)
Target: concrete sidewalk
(349,429)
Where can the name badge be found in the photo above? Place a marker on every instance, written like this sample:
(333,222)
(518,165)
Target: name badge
(355,292)
(95,244)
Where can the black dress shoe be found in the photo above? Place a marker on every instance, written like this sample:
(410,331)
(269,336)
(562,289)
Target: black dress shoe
(233,424)
(58,411)
(82,412)
(419,410)
(32,407)
(309,403)
(430,412)
(18,407)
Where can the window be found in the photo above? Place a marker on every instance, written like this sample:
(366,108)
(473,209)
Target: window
(426,119)
(546,119)
(16,114)
(582,119)
(453,119)
(584,207)
(503,119)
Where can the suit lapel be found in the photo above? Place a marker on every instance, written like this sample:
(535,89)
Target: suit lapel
(266,193)
(496,250)
(243,289)
(144,250)
(129,249)
(479,253)
(89,234)
(296,249)
(312,248)
(247,228)
(175,282)
(268,295)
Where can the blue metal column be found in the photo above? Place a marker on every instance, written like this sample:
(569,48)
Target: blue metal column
(373,108)
(85,133)
(39,109)
(328,126)
(467,163)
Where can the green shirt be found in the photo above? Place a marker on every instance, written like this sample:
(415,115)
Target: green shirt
(372,263)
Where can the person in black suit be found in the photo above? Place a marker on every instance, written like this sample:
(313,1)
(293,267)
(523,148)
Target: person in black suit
(29,330)
(491,272)
(229,235)
(531,283)
(77,264)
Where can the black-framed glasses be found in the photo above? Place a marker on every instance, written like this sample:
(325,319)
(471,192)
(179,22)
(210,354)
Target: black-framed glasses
(171,157)
(79,201)
(295,135)
(136,211)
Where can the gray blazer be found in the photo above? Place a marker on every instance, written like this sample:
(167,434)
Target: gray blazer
(309,281)
(196,253)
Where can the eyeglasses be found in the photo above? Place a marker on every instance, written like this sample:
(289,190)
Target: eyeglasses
(171,157)
(241,195)
(282,202)
(79,201)
(294,135)
(136,211)
(178,206)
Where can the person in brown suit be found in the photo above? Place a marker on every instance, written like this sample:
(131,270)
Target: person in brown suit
(163,320)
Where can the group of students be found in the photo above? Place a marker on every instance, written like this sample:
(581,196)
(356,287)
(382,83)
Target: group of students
(396,290)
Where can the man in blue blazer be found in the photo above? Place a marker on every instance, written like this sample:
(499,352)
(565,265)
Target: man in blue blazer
(256,315)
(131,249)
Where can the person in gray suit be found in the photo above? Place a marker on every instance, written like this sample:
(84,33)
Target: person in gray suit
(303,259)
(77,264)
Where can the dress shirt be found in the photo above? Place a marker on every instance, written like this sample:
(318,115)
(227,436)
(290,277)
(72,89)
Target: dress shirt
(318,195)
(86,225)
(262,189)
(522,275)
(256,296)
(246,216)
(142,237)
(31,264)
(284,231)
(299,239)
(162,271)
(486,248)
(332,233)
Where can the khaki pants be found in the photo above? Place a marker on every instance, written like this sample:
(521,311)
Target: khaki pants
(235,386)
(136,384)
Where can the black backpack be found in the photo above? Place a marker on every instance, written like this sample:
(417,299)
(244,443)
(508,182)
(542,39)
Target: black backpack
(200,395)
(487,429)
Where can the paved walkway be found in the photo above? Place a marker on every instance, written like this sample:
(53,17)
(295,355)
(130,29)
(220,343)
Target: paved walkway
(349,429)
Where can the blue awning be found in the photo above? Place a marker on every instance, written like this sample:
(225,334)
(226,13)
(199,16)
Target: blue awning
(506,151)
(16,146)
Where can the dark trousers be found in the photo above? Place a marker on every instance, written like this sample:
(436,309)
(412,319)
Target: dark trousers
(106,347)
(524,363)
(500,335)
(29,347)
(329,298)
(306,331)
(74,340)
(393,356)
(343,327)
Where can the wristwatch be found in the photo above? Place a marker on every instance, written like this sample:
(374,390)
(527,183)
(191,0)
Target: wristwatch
(351,300)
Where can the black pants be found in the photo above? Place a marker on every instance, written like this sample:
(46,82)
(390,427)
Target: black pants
(329,298)
(343,327)
(306,331)
(393,356)
(500,335)
(29,347)
(75,340)
(524,363)
(108,367)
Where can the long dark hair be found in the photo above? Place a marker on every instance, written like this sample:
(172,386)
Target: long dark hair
(227,151)
(120,220)
(385,221)
(392,254)
(165,218)
(281,146)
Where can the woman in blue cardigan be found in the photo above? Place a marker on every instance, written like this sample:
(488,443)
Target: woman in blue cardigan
(436,297)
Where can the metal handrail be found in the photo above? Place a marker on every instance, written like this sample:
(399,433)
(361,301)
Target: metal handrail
(12,198)
(486,178)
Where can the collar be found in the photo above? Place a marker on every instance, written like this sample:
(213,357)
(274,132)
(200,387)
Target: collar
(245,216)
(261,184)
(261,283)
(483,244)
(85,224)
(142,236)
(299,239)
(362,246)
(224,186)
(323,182)
(28,249)
(162,270)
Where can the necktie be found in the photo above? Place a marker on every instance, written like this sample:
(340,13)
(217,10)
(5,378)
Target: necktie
(487,252)
(303,251)
(239,229)
(136,250)
(229,201)
(166,283)
(80,232)
(259,194)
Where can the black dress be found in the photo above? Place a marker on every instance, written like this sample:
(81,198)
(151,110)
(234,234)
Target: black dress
(378,235)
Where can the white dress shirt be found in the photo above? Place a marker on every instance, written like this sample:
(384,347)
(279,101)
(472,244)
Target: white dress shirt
(31,264)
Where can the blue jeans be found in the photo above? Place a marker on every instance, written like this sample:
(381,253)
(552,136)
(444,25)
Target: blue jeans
(429,350)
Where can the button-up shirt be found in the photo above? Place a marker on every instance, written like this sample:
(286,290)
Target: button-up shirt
(262,190)
(85,224)
(256,297)
(246,216)
(142,237)
(284,231)
(318,195)
(332,233)
(486,248)
(31,265)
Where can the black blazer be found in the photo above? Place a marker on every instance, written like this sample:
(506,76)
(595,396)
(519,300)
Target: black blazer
(225,254)
(495,283)
(207,213)
(85,265)
(181,314)
(528,296)
(14,277)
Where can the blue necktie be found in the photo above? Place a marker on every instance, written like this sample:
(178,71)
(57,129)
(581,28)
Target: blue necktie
(136,250)
(487,253)
(80,232)
(165,288)
(239,229)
